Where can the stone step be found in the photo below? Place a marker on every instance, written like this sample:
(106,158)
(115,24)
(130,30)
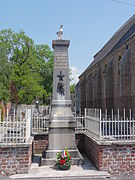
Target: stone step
(75,173)
(51,173)
(77,161)
(52,153)
(50,157)
(47,162)
(63,178)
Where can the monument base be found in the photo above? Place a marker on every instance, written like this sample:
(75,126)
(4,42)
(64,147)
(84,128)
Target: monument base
(59,139)
(50,157)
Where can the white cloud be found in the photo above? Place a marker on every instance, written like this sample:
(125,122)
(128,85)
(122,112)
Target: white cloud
(75,74)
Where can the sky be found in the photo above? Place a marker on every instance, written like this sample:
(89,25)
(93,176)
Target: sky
(88,24)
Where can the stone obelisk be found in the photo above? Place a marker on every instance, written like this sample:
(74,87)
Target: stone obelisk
(61,122)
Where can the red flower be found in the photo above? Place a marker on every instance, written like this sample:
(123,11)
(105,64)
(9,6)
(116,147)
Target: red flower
(62,161)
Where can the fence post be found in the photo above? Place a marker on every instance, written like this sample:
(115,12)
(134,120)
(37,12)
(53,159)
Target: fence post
(31,122)
(112,123)
(100,129)
(0,118)
(14,114)
(105,135)
(28,118)
(130,122)
(118,123)
(124,121)
(85,114)
(0,127)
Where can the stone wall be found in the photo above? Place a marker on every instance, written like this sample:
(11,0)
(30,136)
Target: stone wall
(117,159)
(15,159)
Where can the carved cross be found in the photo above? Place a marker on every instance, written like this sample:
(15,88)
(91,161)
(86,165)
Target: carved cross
(60,76)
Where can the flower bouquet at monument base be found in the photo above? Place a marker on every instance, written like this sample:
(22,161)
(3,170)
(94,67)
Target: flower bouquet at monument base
(64,159)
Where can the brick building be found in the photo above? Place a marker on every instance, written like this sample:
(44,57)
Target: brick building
(109,81)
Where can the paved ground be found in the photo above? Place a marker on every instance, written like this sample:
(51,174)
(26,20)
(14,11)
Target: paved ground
(4,178)
(112,178)
(123,178)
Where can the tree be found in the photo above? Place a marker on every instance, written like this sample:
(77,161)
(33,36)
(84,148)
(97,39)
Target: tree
(5,75)
(21,55)
(45,56)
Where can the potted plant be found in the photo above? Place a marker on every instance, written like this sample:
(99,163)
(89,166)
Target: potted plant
(64,160)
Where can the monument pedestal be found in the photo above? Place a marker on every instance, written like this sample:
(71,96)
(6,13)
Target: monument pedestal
(61,121)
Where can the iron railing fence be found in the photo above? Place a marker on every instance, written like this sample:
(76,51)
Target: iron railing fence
(40,123)
(40,120)
(96,123)
(92,123)
(104,126)
(80,124)
(16,129)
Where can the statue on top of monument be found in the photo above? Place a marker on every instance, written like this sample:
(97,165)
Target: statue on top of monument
(60,32)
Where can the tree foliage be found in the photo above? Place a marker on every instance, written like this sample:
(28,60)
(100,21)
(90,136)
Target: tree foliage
(5,71)
(26,68)
(45,55)
(72,88)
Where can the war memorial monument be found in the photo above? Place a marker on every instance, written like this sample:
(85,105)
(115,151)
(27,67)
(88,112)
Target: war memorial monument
(61,122)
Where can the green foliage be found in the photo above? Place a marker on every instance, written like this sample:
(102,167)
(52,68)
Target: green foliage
(72,88)
(5,72)
(45,55)
(28,68)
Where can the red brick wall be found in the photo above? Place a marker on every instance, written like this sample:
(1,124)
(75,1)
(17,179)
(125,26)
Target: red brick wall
(14,160)
(40,143)
(116,159)
(93,151)
(119,159)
